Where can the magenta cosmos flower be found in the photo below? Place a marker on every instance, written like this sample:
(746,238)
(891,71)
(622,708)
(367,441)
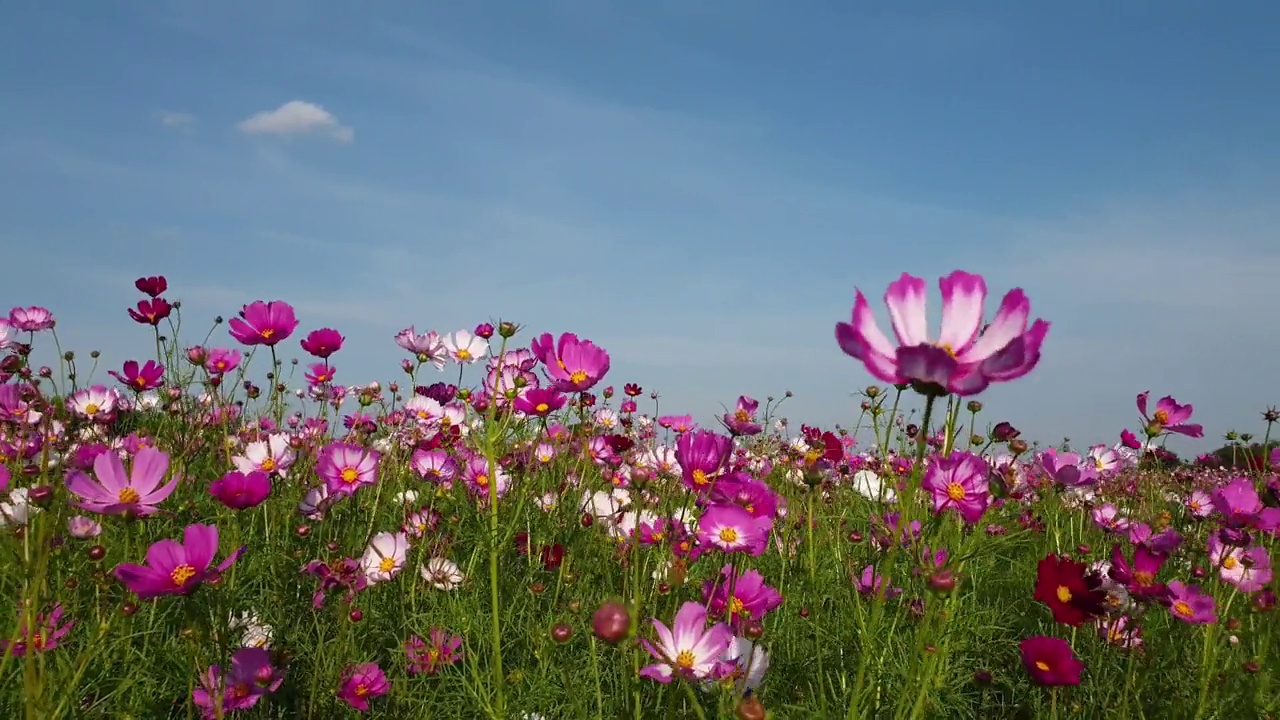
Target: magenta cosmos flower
(361,684)
(572,365)
(1169,417)
(323,342)
(1049,661)
(251,677)
(740,599)
(539,402)
(688,649)
(239,491)
(263,323)
(742,421)
(175,568)
(116,492)
(959,482)
(1190,605)
(702,456)
(966,358)
(140,378)
(346,467)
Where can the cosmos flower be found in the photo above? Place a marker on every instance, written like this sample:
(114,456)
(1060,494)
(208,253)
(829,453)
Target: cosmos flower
(361,683)
(572,365)
(1049,661)
(427,347)
(732,529)
(442,573)
(115,492)
(48,630)
(175,568)
(742,421)
(702,455)
(465,348)
(965,359)
(140,379)
(251,677)
(1070,592)
(347,467)
(1248,569)
(539,402)
(427,658)
(1169,417)
(384,557)
(959,482)
(739,599)
(1190,604)
(240,491)
(31,319)
(323,342)
(263,323)
(688,649)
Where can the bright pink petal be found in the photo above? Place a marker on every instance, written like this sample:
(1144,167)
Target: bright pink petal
(165,555)
(201,543)
(149,467)
(109,470)
(1009,323)
(81,485)
(908,309)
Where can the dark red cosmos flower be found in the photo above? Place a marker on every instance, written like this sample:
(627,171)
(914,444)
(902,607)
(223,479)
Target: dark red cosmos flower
(153,286)
(151,312)
(1070,593)
(619,443)
(552,556)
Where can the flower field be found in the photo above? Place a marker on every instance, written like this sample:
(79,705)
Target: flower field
(217,528)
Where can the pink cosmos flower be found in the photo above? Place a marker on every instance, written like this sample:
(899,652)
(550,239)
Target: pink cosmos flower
(1246,569)
(220,361)
(151,312)
(31,319)
(959,482)
(464,347)
(702,456)
(271,455)
(1190,605)
(263,323)
(571,364)
(93,403)
(116,492)
(1200,504)
(428,658)
(741,599)
(966,358)
(319,374)
(79,526)
(1139,578)
(1169,417)
(427,347)
(1068,469)
(251,677)
(688,649)
(870,582)
(362,683)
(323,342)
(1107,516)
(732,529)
(742,421)
(346,467)
(175,568)
(140,379)
(49,629)
(1241,506)
(239,490)
(434,466)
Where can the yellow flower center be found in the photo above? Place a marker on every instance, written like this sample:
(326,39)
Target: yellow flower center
(464,354)
(140,382)
(1042,666)
(1064,594)
(482,480)
(542,407)
(1183,608)
(350,475)
(1160,416)
(1230,562)
(684,660)
(1142,577)
(946,348)
(91,409)
(578,376)
(362,690)
(220,366)
(37,641)
(955,491)
(129,496)
(267,465)
(742,416)
(728,535)
(182,574)
(387,565)
(735,606)
(700,477)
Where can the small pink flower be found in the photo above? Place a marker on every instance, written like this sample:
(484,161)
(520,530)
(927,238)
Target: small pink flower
(362,683)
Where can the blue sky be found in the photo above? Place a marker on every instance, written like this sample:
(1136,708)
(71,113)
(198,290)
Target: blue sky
(697,186)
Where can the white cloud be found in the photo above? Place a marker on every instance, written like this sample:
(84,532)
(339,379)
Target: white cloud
(296,117)
(176,120)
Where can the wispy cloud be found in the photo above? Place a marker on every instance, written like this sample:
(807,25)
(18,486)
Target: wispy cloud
(294,118)
(175,120)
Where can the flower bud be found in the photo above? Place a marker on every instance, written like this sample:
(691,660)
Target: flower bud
(611,623)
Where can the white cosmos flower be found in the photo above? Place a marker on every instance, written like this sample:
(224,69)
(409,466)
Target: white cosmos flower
(408,497)
(465,348)
(384,557)
(272,455)
(869,485)
(254,632)
(18,509)
(442,573)
(750,663)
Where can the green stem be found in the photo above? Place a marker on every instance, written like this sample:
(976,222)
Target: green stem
(693,700)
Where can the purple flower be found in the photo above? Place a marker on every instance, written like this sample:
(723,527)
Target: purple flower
(31,319)
(702,455)
(732,529)
(116,492)
(263,323)
(959,482)
(1068,469)
(572,365)
(1247,569)
(49,629)
(323,342)
(743,598)
(688,649)
(966,358)
(175,568)
(1189,604)
(251,677)
(742,421)
(362,683)
(1169,417)
(1241,506)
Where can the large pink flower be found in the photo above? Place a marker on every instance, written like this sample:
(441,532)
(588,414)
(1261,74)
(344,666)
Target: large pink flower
(966,358)
(1169,417)
(263,323)
(116,492)
(175,568)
